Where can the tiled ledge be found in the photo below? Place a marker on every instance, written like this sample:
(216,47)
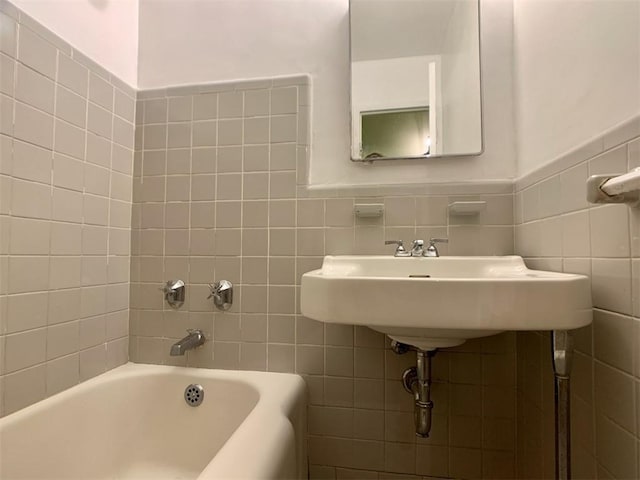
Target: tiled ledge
(225,86)
(487,187)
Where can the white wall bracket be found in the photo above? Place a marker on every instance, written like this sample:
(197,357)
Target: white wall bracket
(615,188)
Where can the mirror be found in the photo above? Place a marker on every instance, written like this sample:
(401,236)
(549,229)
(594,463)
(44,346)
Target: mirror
(415,79)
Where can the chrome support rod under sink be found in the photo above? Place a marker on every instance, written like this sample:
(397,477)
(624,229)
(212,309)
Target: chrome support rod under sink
(562,351)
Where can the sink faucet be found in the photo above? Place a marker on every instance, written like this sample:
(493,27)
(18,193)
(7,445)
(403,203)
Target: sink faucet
(417,248)
(191,341)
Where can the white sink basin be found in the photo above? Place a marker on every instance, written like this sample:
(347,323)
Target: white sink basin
(463,297)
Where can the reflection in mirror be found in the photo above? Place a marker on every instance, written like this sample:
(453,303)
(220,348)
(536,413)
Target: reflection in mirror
(415,79)
(404,132)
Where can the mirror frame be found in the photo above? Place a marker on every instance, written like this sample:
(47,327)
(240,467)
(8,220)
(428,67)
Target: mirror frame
(369,161)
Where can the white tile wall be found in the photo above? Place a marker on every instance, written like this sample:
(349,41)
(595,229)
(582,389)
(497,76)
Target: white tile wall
(64,222)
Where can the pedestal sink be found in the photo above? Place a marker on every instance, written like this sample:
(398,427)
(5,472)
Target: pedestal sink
(441,302)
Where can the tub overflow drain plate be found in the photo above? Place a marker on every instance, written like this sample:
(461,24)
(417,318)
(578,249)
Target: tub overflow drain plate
(194,395)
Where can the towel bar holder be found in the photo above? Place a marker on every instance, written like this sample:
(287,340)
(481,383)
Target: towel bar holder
(612,188)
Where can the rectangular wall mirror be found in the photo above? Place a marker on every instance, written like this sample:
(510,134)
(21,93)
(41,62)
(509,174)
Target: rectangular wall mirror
(415,79)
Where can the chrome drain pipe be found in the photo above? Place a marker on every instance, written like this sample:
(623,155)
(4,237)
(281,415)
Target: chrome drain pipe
(422,393)
(417,381)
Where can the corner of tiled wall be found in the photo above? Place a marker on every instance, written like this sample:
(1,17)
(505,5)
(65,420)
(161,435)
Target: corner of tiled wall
(66,166)
(556,229)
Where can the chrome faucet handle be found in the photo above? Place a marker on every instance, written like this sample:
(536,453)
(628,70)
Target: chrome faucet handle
(174,293)
(417,248)
(432,250)
(222,294)
(171,286)
(400,250)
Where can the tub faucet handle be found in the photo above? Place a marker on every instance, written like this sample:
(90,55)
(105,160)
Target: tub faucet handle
(222,294)
(174,293)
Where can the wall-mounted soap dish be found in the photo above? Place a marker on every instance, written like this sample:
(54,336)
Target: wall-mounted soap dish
(467,208)
(368,210)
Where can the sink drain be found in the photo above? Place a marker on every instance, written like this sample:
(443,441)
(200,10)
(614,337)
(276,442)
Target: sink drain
(194,395)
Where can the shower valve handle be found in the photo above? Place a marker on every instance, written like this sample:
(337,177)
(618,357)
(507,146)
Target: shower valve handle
(222,294)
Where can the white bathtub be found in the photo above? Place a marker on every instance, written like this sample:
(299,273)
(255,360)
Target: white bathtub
(133,423)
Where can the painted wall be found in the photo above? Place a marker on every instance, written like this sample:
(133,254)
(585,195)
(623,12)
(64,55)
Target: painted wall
(312,36)
(577,67)
(104,30)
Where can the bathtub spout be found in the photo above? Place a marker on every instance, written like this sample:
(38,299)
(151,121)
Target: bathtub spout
(191,341)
